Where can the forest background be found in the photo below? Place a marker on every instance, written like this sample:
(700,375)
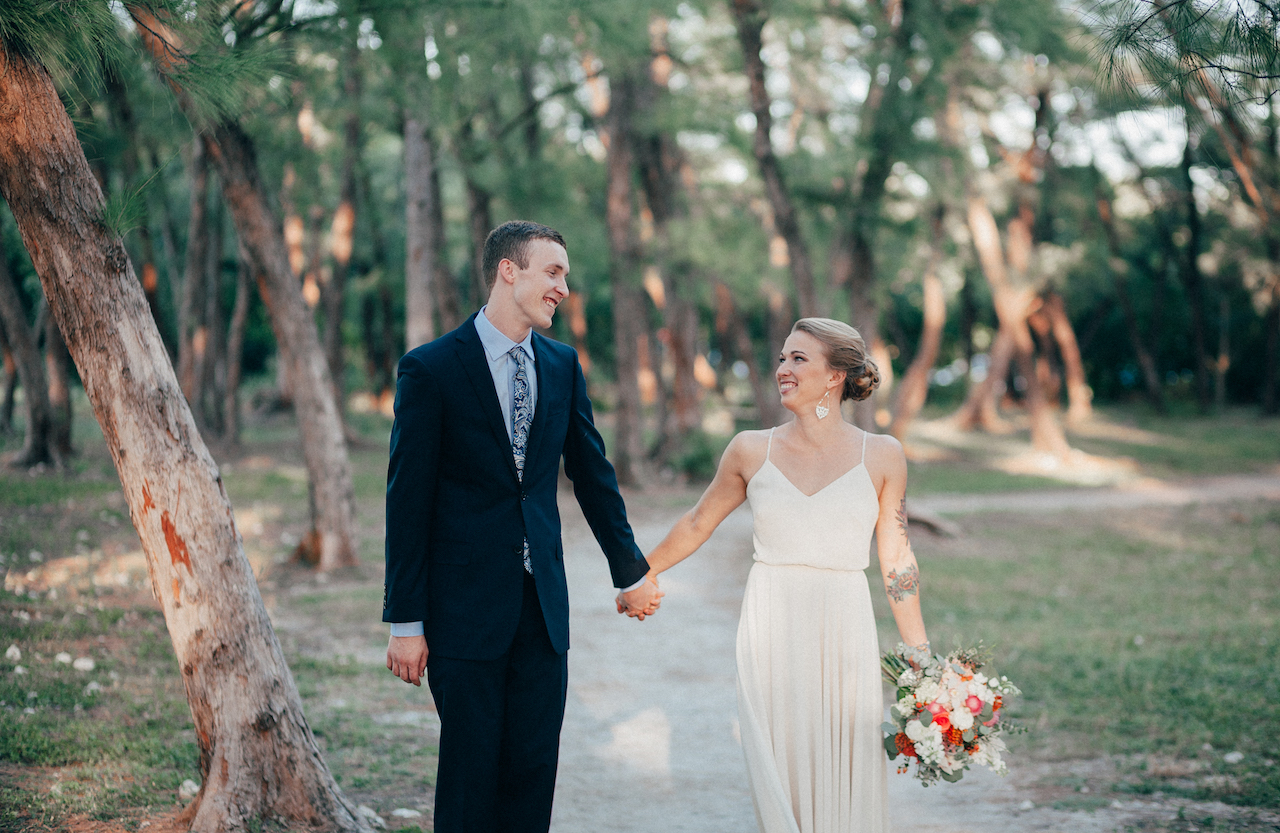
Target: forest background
(1031,210)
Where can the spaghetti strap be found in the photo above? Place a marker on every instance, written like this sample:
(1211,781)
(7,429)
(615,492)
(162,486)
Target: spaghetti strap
(769,448)
(864,446)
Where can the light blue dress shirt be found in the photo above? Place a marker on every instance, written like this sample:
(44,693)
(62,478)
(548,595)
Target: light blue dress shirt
(497,349)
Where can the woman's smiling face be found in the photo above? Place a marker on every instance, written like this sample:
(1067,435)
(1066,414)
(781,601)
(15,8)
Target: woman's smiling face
(803,374)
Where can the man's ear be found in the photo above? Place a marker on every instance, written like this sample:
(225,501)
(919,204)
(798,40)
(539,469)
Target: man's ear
(507,270)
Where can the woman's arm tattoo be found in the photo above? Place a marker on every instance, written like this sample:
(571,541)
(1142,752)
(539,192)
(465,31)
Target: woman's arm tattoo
(906,583)
(902,518)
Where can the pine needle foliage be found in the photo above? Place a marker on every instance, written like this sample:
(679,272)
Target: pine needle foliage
(217,59)
(1170,45)
(65,36)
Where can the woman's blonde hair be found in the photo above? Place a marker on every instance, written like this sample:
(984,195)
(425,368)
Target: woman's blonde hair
(845,351)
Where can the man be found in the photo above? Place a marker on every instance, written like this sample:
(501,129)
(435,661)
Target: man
(475,584)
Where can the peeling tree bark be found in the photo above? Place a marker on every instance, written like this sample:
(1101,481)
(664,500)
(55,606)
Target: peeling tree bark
(258,758)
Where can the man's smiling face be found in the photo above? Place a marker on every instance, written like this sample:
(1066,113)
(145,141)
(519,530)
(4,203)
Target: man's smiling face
(541,286)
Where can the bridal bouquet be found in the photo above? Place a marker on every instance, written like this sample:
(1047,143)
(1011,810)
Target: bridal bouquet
(947,715)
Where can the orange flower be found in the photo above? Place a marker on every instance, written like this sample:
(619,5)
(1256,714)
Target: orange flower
(905,746)
(953,736)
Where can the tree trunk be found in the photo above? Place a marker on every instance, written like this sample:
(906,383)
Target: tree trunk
(479,224)
(750,17)
(1271,361)
(235,352)
(914,387)
(168,243)
(10,382)
(738,342)
(658,162)
(191,307)
(623,261)
(1194,283)
(1012,308)
(323,443)
(258,759)
(57,366)
(420,257)
(1120,276)
(37,447)
(448,302)
(209,409)
(1079,395)
(342,231)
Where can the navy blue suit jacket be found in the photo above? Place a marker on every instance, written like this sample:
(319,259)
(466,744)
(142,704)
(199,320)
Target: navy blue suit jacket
(457,513)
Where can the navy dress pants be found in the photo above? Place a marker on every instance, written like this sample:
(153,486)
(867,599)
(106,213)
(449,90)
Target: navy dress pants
(500,731)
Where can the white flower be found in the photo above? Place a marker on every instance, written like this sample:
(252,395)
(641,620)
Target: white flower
(63,657)
(13,654)
(915,730)
(961,718)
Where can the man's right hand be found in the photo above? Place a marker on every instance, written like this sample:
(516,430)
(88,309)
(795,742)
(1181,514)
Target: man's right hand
(407,658)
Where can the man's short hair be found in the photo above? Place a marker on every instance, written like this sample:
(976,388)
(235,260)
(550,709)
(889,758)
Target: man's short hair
(510,241)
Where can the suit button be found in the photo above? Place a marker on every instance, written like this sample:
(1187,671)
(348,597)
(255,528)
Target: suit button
(524,495)
(518,549)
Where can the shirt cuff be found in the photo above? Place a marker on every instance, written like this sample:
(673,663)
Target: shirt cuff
(635,586)
(406,629)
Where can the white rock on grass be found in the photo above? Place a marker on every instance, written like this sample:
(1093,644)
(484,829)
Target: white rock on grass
(93,688)
(19,670)
(63,657)
(370,815)
(13,654)
(405,813)
(1233,757)
(188,790)
(83,664)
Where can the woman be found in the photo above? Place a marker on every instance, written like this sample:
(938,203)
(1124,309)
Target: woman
(809,697)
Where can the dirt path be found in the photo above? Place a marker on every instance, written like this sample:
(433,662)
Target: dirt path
(650,737)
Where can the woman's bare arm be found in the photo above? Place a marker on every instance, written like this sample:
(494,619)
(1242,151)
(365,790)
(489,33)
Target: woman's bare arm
(727,492)
(897,560)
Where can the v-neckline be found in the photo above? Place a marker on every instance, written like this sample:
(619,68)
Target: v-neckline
(801,492)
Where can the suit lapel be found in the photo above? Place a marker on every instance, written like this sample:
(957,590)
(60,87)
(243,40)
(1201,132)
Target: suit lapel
(475,364)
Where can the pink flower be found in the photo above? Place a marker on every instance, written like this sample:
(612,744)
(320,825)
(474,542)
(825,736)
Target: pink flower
(973,703)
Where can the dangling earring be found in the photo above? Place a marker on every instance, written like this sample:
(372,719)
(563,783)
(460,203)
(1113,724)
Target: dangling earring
(822,410)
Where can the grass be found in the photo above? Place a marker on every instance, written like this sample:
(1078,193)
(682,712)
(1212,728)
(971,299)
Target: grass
(1150,635)
(108,742)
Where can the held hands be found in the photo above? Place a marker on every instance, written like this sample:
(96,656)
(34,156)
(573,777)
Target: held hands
(643,601)
(407,658)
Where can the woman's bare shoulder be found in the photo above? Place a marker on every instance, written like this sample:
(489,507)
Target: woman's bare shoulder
(746,453)
(885,457)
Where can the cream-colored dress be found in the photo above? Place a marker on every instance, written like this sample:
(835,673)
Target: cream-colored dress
(809,697)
